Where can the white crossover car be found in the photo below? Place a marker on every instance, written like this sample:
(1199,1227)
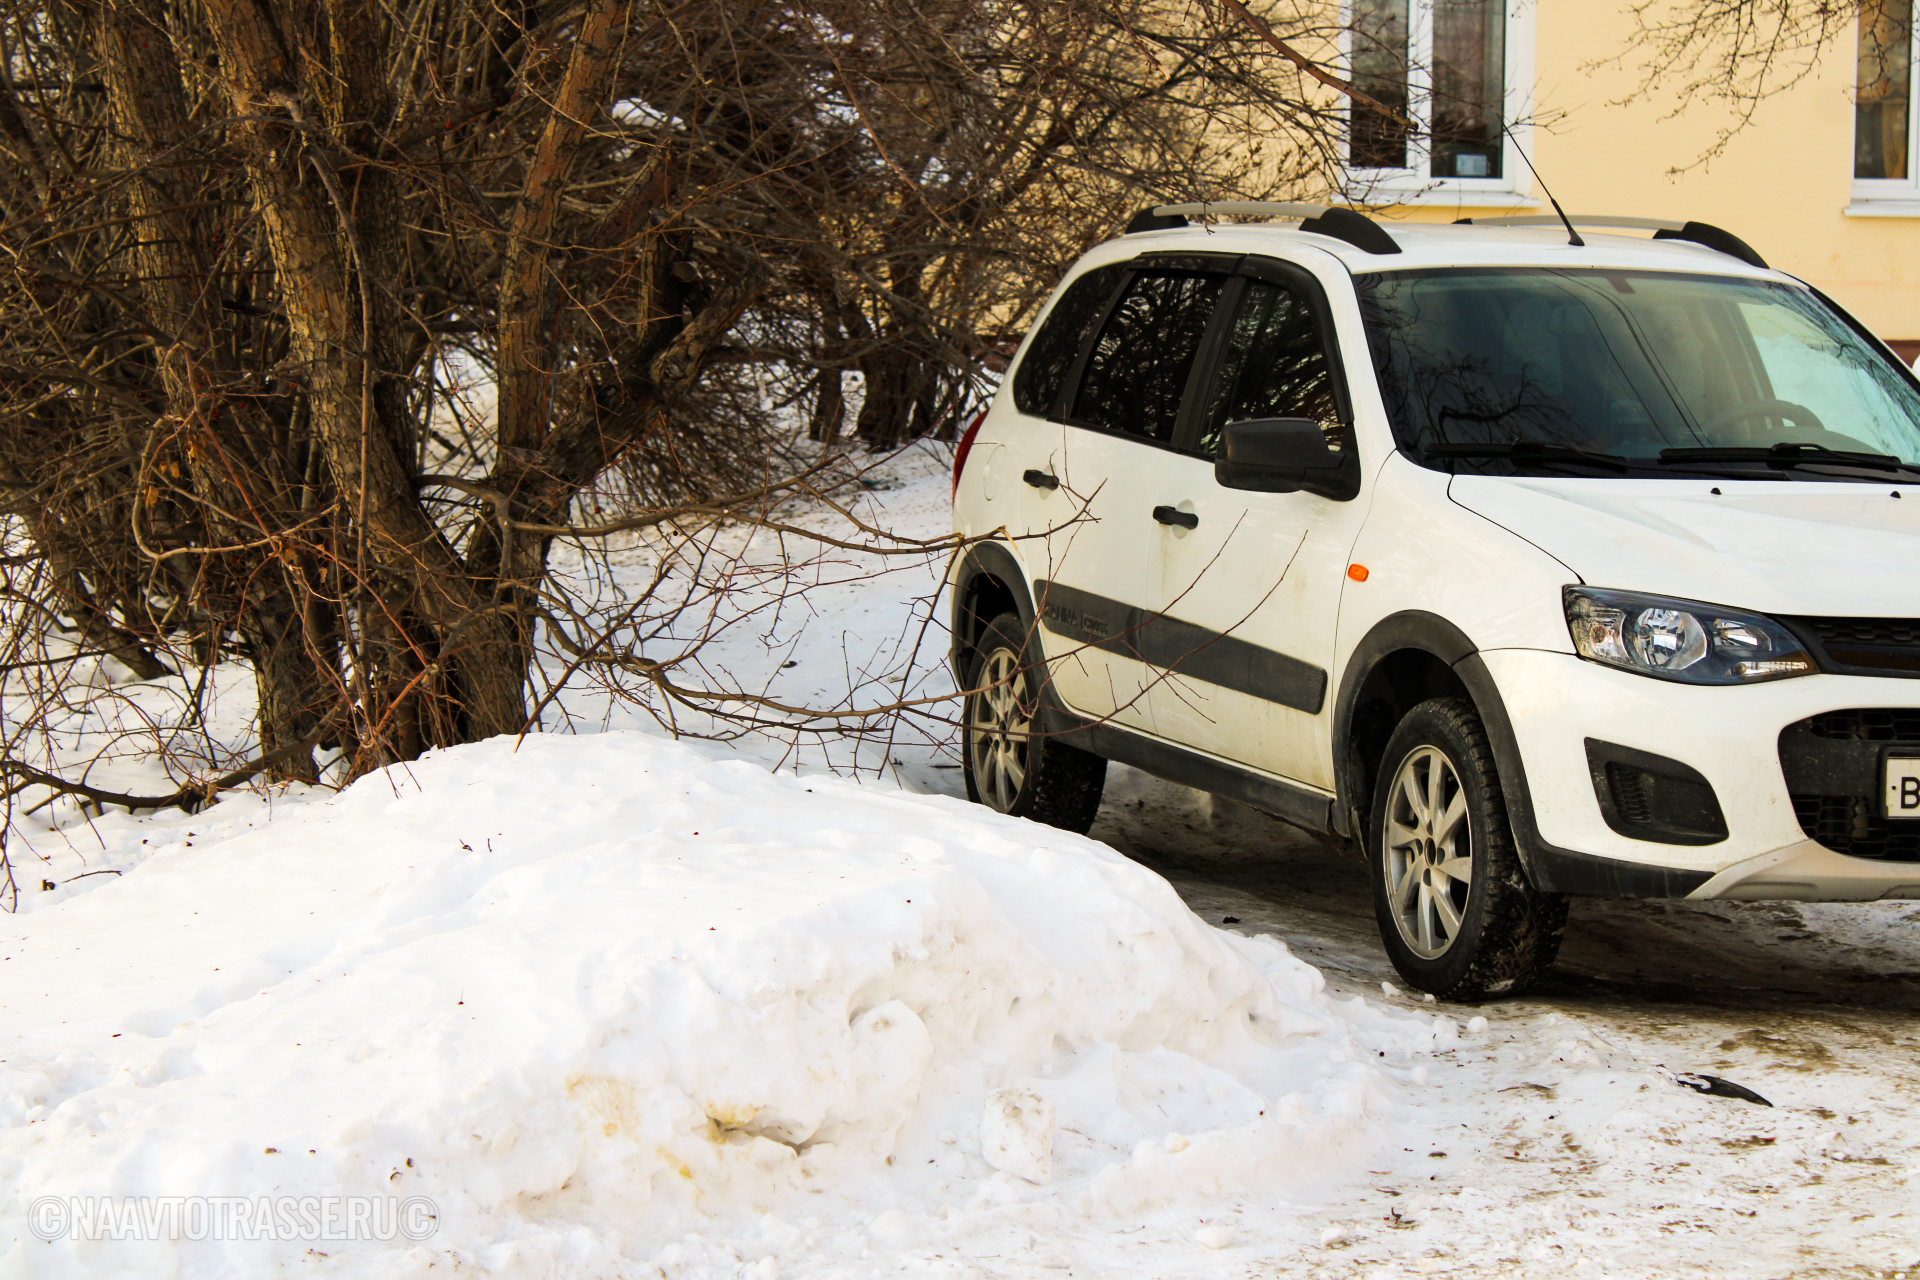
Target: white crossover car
(1532,564)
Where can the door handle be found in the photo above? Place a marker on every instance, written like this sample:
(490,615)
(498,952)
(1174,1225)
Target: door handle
(1040,479)
(1173,515)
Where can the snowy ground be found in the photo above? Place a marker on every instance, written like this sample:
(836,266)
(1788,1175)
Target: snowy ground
(615,1006)
(1568,1149)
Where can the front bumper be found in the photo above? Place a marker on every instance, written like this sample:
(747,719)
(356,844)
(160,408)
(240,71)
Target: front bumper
(1555,703)
(1811,872)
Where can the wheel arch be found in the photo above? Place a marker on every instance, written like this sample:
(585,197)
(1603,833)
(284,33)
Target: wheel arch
(1404,660)
(988,583)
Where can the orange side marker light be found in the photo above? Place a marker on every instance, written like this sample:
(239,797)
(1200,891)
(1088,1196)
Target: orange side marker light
(1358,572)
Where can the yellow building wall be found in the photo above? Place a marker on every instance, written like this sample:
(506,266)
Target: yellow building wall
(1781,184)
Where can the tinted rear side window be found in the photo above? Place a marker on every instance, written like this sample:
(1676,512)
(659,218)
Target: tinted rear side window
(1139,366)
(1037,383)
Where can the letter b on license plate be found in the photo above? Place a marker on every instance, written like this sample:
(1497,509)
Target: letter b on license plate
(1903,786)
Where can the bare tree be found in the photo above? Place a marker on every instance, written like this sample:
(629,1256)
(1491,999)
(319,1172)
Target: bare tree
(1740,53)
(254,251)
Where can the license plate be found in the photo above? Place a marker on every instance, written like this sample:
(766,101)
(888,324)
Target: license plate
(1903,786)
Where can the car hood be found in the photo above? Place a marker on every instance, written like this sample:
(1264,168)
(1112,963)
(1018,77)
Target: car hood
(1771,546)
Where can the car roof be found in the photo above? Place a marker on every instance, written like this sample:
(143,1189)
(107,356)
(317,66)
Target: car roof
(1429,245)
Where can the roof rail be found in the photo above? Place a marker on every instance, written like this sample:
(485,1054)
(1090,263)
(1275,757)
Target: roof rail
(1699,233)
(1356,229)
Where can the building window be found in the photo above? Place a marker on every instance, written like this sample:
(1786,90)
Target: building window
(1460,70)
(1469,87)
(1883,134)
(1884,90)
(1380,70)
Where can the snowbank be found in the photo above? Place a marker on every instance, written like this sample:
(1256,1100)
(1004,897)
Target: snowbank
(615,1007)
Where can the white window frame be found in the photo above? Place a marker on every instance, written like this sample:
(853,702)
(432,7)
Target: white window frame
(1412,185)
(1890,197)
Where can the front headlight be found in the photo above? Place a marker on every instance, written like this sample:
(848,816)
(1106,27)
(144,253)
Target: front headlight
(1682,639)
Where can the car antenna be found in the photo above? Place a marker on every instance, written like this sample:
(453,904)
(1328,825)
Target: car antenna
(1573,237)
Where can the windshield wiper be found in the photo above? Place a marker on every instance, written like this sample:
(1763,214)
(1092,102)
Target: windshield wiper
(1786,454)
(1530,451)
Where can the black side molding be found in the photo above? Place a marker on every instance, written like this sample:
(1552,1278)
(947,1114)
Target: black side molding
(1181,648)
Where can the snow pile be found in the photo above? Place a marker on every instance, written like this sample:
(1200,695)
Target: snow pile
(615,1007)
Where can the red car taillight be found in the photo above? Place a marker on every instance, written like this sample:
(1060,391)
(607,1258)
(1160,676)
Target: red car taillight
(965,447)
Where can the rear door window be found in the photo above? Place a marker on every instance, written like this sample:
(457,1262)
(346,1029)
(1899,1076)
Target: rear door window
(1050,356)
(1138,368)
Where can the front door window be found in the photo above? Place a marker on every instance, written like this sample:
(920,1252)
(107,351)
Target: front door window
(1274,366)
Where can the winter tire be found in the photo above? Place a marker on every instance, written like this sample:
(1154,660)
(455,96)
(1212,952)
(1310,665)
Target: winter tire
(1010,765)
(1457,913)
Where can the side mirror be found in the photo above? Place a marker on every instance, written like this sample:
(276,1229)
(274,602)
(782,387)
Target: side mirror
(1284,455)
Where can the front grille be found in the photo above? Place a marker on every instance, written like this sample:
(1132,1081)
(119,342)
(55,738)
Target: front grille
(1868,724)
(1890,631)
(1849,825)
(1833,765)
(1863,646)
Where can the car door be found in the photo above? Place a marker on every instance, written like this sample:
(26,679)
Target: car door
(1120,422)
(1247,598)
(1020,456)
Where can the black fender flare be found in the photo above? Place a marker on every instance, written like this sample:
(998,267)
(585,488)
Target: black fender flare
(1409,629)
(993,560)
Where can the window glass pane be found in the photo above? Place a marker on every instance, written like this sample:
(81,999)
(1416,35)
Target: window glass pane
(1628,363)
(1380,72)
(1469,87)
(1273,367)
(1813,361)
(1883,87)
(1139,366)
(1036,384)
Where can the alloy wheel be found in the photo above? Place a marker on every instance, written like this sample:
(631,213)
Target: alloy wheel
(999,729)
(1428,855)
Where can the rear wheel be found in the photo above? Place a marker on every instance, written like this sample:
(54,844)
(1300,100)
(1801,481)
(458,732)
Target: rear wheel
(1456,911)
(1010,763)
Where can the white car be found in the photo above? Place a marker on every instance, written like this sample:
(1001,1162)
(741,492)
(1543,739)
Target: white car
(1532,564)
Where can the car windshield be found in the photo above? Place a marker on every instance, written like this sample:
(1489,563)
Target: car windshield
(1628,363)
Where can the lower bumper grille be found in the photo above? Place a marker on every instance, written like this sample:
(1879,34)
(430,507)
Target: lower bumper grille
(1833,763)
(1849,825)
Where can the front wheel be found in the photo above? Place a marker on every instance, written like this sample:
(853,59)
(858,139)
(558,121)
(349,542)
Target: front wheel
(1457,914)
(1011,764)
